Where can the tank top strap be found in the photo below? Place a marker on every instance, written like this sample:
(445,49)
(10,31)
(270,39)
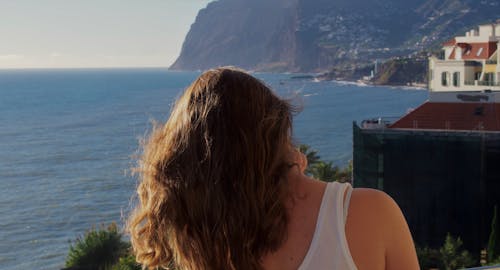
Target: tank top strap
(348,192)
(329,248)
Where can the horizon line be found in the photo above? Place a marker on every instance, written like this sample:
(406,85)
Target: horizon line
(96,67)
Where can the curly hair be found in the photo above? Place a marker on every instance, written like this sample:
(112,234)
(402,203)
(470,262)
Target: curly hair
(212,185)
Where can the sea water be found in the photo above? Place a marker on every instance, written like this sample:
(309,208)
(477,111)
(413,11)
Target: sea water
(68,137)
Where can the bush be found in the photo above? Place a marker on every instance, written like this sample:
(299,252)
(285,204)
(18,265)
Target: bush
(449,256)
(322,170)
(98,249)
(452,255)
(127,263)
(429,258)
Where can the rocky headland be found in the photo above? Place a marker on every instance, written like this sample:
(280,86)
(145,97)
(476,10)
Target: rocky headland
(341,38)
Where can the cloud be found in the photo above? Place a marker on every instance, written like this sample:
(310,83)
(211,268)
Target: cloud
(56,54)
(11,56)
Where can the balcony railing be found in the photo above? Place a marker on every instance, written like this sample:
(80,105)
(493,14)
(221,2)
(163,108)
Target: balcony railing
(481,83)
(488,83)
(378,123)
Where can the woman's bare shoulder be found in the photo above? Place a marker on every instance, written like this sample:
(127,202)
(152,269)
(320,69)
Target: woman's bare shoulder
(369,195)
(375,205)
(377,210)
(376,224)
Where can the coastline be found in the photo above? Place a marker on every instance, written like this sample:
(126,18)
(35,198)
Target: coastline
(363,83)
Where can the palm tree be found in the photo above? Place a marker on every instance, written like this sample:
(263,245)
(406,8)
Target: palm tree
(325,171)
(322,170)
(98,249)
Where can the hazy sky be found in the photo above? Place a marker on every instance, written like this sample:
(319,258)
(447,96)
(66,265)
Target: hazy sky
(93,33)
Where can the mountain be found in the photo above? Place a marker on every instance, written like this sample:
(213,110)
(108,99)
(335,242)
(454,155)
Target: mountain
(318,35)
(252,34)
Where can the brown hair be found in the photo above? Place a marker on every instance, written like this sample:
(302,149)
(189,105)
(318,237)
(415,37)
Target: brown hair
(212,180)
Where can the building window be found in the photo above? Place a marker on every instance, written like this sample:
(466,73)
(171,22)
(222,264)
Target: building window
(490,78)
(444,78)
(456,79)
(477,76)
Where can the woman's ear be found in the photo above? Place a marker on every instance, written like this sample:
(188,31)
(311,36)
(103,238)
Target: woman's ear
(302,161)
(298,158)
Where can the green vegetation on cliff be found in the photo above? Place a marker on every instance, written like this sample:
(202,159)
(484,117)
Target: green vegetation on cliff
(402,71)
(396,71)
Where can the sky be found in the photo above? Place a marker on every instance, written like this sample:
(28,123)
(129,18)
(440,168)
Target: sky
(93,33)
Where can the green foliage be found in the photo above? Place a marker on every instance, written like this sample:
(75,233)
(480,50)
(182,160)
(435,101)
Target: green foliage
(450,256)
(494,261)
(429,258)
(401,71)
(97,249)
(345,174)
(494,240)
(127,263)
(324,170)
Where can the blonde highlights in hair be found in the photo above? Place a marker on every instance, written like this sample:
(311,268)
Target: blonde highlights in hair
(212,179)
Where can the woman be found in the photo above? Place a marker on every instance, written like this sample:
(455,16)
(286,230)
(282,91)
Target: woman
(223,188)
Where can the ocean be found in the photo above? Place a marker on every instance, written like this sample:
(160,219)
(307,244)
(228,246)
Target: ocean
(68,139)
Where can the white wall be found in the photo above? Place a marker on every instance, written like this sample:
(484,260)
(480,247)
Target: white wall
(486,33)
(438,67)
(458,53)
(497,79)
(466,74)
(486,30)
(477,39)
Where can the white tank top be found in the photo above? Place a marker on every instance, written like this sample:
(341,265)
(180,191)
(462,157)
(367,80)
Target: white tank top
(329,249)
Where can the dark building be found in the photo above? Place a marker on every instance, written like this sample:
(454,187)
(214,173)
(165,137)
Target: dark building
(444,181)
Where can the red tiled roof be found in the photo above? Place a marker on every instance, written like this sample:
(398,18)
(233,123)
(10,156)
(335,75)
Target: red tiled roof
(452,116)
(450,42)
(492,48)
(471,51)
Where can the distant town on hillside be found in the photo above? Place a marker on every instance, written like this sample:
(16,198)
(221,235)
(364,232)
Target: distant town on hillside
(342,38)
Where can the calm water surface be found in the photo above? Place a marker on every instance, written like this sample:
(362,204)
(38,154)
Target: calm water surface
(67,138)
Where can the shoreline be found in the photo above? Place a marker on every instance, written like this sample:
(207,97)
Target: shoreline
(370,84)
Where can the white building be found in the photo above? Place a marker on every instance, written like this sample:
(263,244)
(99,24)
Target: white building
(468,63)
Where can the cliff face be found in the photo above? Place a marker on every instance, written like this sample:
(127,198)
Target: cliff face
(397,71)
(317,35)
(402,72)
(257,34)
